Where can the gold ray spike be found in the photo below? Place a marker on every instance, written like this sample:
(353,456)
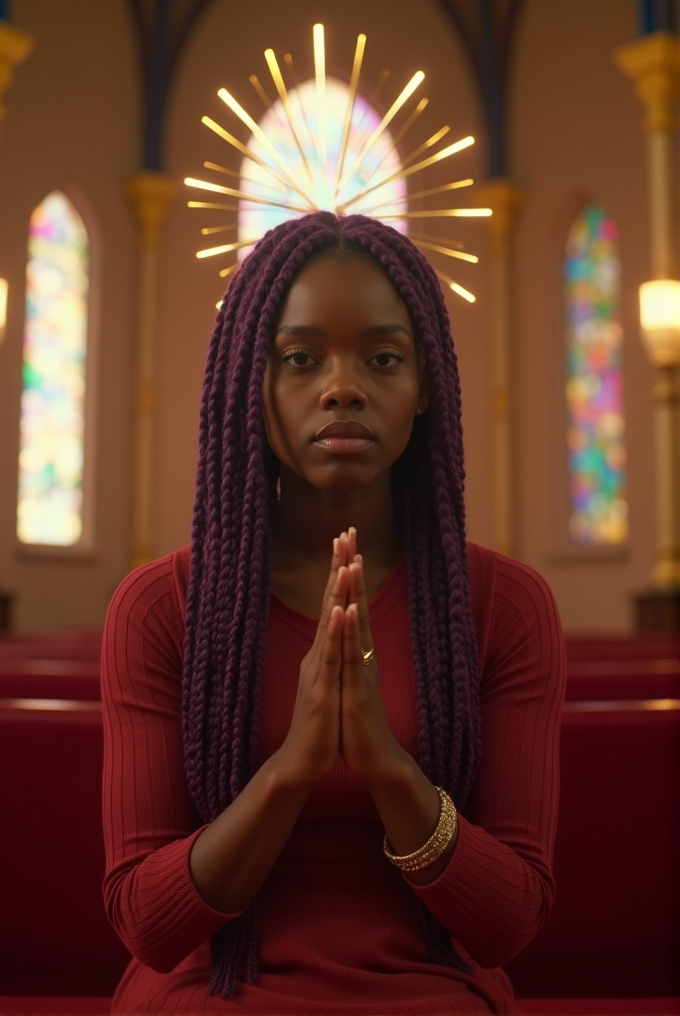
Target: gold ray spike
(255,82)
(458,244)
(446,250)
(410,88)
(421,194)
(399,135)
(403,173)
(210,204)
(437,136)
(468,182)
(320,72)
(465,293)
(288,60)
(226,136)
(229,100)
(207,230)
(230,172)
(277,77)
(409,123)
(459,213)
(382,80)
(230,192)
(210,252)
(221,169)
(351,97)
(227,271)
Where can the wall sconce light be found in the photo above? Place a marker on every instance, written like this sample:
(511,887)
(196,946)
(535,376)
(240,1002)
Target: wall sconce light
(660,321)
(3,307)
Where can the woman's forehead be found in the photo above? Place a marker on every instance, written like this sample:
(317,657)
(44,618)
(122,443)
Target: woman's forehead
(349,289)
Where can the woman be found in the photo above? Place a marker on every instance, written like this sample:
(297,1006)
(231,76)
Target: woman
(330,776)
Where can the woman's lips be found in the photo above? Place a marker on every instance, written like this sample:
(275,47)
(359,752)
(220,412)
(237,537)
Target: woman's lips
(344,438)
(344,445)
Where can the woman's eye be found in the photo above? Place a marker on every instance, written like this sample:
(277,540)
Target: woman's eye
(387,358)
(298,358)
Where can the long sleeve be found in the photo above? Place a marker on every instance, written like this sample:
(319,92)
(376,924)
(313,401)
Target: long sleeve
(149,823)
(497,889)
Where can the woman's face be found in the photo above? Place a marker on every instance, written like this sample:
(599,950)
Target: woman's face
(343,381)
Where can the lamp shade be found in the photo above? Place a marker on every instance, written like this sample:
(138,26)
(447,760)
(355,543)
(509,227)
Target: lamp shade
(660,321)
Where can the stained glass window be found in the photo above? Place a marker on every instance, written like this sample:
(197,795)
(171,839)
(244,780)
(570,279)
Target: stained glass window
(595,428)
(53,399)
(319,126)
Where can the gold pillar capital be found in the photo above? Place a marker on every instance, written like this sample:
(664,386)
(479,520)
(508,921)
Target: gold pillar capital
(505,199)
(150,194)
(15,46)
(653,62)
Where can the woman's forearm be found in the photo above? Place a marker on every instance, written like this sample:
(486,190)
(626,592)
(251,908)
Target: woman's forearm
(232,857)
(409,806)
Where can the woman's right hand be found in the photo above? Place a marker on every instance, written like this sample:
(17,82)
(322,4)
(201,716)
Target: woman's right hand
(312,746)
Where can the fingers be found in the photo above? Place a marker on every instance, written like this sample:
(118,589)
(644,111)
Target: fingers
(353,648)
(336,591)
(357,597)
(330,655)
(330,596)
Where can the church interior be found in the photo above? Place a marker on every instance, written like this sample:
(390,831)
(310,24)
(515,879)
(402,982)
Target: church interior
(565,314)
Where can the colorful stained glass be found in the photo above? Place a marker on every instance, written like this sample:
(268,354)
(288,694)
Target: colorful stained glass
(53,400)
(320,132)
(594,339)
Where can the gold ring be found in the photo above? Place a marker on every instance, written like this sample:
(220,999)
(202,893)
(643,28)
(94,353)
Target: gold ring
(366,657)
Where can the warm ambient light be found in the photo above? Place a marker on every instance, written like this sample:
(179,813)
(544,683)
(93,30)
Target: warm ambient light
(3,307)
(660,321)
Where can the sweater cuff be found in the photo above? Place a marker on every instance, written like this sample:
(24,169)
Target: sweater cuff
(162,917)
(177,868)
(463,866)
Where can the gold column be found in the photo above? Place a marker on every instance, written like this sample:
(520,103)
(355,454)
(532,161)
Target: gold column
(505,200)
(15,46)
(653,63)
(150,194)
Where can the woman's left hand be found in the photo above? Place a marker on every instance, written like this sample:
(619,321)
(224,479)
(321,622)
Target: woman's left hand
(367,744)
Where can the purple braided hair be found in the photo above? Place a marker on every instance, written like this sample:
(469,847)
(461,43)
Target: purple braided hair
(231,554)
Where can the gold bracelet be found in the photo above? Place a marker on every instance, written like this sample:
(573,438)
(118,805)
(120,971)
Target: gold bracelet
(437,843)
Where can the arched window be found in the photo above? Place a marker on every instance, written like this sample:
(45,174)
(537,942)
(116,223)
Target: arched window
(319,127)
(598,511)
(50,501)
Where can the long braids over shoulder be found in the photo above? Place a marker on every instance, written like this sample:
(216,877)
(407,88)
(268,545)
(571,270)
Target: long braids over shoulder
(231,555)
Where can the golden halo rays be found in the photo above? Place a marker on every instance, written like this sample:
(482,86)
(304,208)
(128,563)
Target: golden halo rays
(324,169)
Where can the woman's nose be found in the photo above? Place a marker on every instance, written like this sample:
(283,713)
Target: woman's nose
(343,387)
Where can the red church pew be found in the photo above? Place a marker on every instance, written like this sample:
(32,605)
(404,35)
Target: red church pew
(55,940)
(69,644)
(624,647)
(50,679)
(610,945)
(615,926)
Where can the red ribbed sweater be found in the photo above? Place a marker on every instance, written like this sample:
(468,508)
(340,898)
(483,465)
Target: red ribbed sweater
(338,925)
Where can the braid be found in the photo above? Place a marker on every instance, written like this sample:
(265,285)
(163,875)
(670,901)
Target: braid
(231,555)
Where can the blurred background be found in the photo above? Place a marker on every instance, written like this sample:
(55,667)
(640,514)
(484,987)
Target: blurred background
(570,460)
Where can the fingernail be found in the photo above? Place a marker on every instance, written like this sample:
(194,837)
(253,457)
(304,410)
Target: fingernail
(335,547)
(358,558)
